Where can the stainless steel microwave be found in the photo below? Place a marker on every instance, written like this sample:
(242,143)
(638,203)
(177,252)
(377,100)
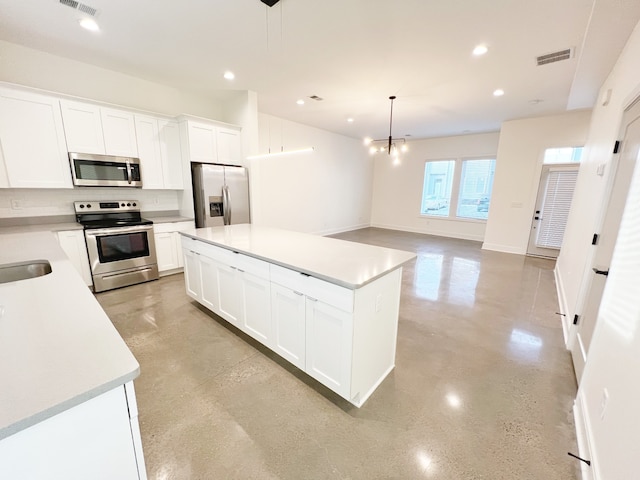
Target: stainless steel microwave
(90,170)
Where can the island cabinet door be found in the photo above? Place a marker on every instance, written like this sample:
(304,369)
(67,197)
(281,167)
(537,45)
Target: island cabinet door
(256,311)
(288,324)
(209,283)
(329,333)
(192,280)
(230,289)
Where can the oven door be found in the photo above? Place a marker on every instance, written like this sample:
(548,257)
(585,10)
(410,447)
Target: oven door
(120,248)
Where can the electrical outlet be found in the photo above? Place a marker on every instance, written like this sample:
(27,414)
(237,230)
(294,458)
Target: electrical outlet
(603,403)
(16,204)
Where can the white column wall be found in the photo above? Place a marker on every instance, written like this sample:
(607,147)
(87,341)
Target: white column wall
(397,190)
(519,164)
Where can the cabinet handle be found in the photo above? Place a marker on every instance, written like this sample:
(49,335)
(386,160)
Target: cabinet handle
(240,270)
(232,268)
(312,299)
(297,293)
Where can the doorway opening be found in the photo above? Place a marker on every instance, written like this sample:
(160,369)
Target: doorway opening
(555,192)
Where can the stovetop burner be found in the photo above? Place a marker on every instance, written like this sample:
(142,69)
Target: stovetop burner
(121,213)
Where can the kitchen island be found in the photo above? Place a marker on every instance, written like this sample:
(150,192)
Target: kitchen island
(328,306)
(67,404)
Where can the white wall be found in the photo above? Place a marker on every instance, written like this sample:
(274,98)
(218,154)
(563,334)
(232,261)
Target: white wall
(614,353)
(519,164)
(322,192)
(397,190)
(34,68)
(32,202)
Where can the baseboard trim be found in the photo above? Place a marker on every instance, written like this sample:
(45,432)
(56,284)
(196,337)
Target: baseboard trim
(402,228)
(496,247)
(333,231)
(583,436)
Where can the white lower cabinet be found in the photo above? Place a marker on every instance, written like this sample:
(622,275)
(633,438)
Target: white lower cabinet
(288,319)
(192,280)
(329,332)
(168,248)
(230,294)
(256,315)
(97,439)
(74,245)
(209,282)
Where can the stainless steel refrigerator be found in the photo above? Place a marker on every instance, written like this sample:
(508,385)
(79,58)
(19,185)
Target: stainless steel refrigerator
(220,194)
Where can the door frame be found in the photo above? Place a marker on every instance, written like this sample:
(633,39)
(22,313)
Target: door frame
(545,170)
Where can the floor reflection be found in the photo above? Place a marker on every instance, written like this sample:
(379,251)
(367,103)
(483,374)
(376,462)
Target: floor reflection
(454,280)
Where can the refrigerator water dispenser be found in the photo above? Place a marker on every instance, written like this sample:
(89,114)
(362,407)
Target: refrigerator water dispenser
(215,207)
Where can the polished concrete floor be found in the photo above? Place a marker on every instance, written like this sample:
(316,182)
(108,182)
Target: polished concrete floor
(483,386)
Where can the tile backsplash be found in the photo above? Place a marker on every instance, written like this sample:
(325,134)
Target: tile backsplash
(22,202)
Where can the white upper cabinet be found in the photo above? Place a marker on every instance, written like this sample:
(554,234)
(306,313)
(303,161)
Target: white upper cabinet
(229,146)
(202,142)
(211,143)
(171,154)
(159,152)
(119,132)
(149,152)
(89,128)
(32,141)
(82,127)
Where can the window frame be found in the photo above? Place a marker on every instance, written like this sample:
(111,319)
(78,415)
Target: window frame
(455,188)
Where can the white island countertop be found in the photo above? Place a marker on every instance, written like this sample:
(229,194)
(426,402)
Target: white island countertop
(57,346)
(349,264)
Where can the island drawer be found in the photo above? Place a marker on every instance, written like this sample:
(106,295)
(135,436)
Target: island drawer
(313,288)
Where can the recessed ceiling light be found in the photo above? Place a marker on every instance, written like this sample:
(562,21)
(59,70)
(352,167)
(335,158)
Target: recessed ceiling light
(368,140)
(498,92)
(350,120)
(89,24)
(229,75)
(300,102)
(480,50)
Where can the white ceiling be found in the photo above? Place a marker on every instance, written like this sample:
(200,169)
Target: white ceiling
(352,53)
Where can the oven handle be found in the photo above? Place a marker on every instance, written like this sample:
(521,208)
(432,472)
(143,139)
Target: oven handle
(117,230)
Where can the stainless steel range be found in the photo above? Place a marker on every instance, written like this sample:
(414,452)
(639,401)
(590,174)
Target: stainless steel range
(120,243)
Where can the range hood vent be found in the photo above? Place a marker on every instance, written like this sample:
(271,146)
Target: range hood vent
(81,7)
(554,57)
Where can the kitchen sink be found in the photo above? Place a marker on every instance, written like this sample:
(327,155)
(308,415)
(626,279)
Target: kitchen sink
(12,272)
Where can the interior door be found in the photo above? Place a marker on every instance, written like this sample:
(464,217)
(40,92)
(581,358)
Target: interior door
(553,203)
(583,331)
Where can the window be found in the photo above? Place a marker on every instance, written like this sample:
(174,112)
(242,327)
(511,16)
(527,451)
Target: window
(563,155)
(460,186)
(436,193)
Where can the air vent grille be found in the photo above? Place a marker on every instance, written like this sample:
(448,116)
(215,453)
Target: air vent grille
(554,57)
(81,7)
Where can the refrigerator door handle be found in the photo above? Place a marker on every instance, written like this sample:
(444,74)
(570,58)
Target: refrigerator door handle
(226,205)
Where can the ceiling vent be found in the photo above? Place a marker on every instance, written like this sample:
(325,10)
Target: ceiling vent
(316,98)
(81,7)
(554,57)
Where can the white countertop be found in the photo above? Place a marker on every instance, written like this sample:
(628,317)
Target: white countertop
(57,346)
(345,263)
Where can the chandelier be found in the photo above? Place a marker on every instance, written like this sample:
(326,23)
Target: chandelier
(393,146)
